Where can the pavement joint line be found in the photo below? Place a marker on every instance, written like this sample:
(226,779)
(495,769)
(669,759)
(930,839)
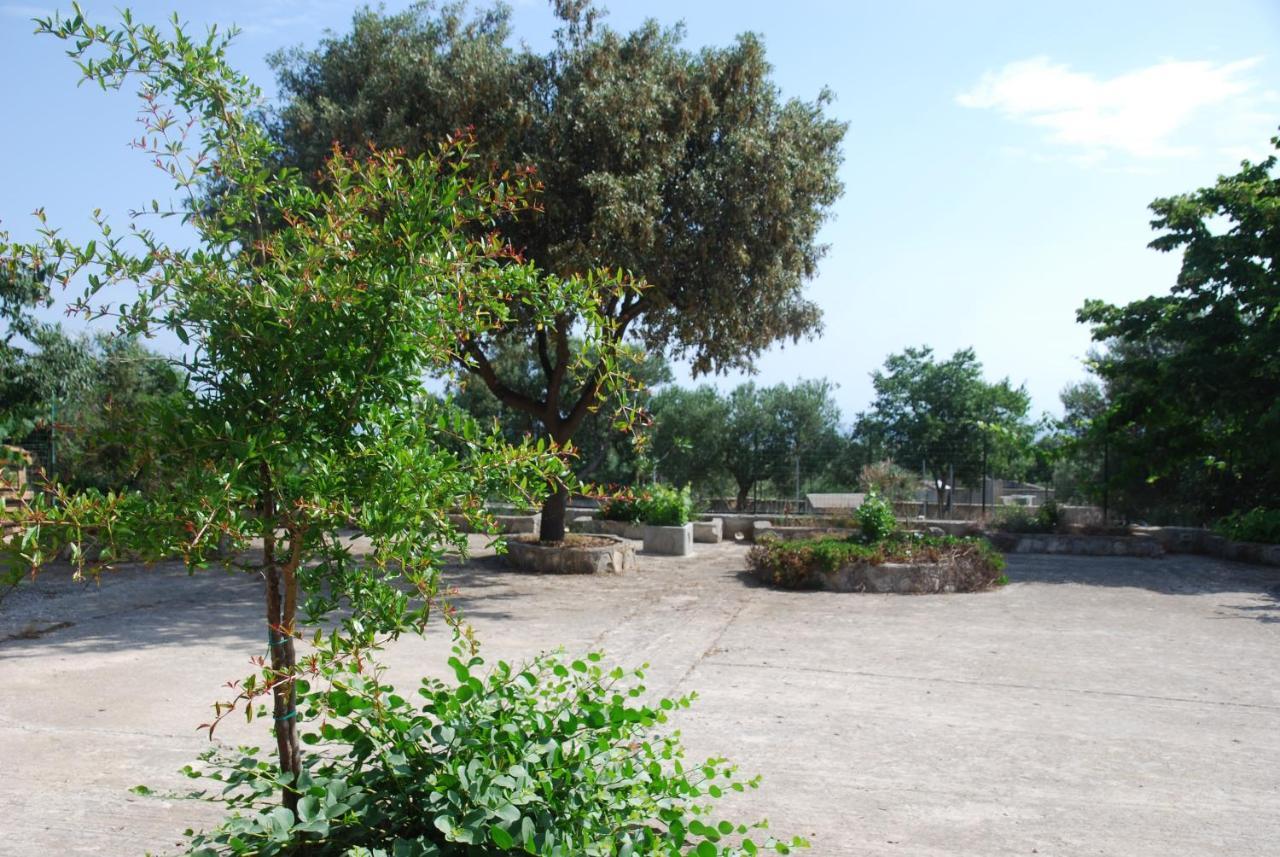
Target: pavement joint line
(1000,684)
(746,599)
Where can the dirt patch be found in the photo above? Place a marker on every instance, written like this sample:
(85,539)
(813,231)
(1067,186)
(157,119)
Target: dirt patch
(572,540)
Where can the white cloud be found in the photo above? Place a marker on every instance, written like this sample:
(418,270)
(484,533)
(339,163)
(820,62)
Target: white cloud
(19,10)
(1139,113)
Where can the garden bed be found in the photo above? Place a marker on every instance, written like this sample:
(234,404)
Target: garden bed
(904,564)
(576,554)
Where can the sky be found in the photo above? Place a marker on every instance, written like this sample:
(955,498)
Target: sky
(998,165)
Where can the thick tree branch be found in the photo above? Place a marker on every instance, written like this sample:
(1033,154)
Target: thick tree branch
(482,367)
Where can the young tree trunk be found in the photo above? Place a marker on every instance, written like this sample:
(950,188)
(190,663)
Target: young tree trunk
(282,601)
(744,492)
(554,510)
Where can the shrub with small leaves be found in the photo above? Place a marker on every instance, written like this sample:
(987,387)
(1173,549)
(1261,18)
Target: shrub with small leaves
(559,757)
(876,518)
(665,506)
(1256,525)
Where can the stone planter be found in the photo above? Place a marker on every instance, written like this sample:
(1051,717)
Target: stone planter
(709,532)
(614,557)
(671,541)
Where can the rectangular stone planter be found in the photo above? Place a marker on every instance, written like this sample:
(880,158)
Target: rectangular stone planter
(710,532)
(599,526)
(672,541)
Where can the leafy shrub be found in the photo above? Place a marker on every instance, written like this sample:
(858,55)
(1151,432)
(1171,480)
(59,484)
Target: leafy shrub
(889,480)
(876,518)
(792,565)
(1256,525)
(667,507)
(556,758)
(1021,519)
(623,506)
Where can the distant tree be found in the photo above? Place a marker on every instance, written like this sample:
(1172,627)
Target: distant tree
(689,435)
(943,415)
(1075,443)
(1193,377)
(772,430)
(889,480)
(686,168)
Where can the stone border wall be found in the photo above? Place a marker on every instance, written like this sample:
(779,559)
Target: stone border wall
(599,526)
(615,558)
(1143,542)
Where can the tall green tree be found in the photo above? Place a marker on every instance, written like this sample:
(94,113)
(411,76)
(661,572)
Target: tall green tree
(684,167)
(1194,375)
(689,436)
(944,415)
(314,312)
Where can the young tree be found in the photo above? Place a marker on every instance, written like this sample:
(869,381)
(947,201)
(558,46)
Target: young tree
(944,413)
(1194,376)
(305,414)
(686,168)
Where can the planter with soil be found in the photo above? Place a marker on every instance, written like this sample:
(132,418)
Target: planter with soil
(903,564)
(576,554)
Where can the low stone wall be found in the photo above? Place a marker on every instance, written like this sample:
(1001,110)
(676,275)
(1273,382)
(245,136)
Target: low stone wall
(1079,545)
(623,529)
(1141,541)
(791,534)
(899,578)
(507,524)
(528,555)
(738,527)
(708,532)
(1206,542)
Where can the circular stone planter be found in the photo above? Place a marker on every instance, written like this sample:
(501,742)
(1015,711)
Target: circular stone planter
(614,556)
(899,578)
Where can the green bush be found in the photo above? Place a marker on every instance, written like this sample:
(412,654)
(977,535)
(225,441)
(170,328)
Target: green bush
(622,507)
(666,507)
(1255,525)
(556,758)
(1021,519)
(792,565)
(876,518)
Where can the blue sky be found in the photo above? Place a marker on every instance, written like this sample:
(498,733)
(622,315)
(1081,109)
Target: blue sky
(999,160)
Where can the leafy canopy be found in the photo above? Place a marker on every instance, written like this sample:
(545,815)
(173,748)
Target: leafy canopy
(1193,376)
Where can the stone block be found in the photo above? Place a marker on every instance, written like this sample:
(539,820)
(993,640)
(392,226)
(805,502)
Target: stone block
(709,532)
(672,541)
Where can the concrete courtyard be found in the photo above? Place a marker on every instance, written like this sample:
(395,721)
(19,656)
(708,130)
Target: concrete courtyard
(1092,706)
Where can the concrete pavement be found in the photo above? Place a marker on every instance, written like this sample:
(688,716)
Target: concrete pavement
(1093,706)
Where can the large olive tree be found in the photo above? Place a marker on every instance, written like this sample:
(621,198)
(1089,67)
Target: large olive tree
(685,167)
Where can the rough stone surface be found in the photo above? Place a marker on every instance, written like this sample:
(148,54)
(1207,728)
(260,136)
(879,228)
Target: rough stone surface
(670,541)
(790,534)
(1095,706)
(624,529)
(1053,543)
(615,558)
(900,578)
(708,532)
(507,524)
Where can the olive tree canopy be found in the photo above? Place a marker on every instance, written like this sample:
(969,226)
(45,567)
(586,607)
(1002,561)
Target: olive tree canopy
(685,167)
